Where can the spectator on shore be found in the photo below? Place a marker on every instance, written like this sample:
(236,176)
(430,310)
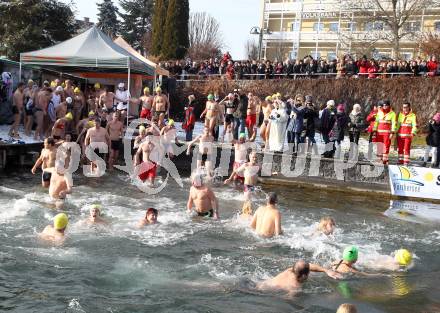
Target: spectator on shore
(355,126)
(337,131)
(433,142)
(328,116)
(432,66)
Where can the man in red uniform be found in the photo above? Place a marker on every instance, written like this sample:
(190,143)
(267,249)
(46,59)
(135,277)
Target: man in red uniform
(406,129)
(385,128)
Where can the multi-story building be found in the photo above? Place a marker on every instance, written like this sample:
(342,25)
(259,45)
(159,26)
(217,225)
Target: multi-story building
(330,28)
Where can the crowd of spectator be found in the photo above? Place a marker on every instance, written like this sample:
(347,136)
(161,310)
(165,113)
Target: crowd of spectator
(348,65)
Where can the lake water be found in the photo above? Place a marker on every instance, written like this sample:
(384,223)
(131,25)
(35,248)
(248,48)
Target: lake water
(189,264)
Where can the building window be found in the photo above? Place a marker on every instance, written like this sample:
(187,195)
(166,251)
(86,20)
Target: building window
(334,27)
(318,27)
(437,26)
(331,56)
(293,55)
(352,26)
(315,55)
(294,27)
(406,55)
(412,26)
(372,26)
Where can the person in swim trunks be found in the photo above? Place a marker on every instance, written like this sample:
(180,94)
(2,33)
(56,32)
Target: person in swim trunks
(97,134)
(205,150)
(250,172)
(251,116)
(17,109)
(230,107)
(147,103)
(211,113)
(150,218)
(161,106)
(115,129)
(59,127)
(202,197)
(148,166)
(46,160)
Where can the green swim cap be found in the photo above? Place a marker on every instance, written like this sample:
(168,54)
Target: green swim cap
(242,135)
(210,97)
(350,254)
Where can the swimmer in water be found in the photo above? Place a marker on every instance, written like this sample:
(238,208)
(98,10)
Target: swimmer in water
(346,265)
(60,183)
(400,260)
(55,233)
(202,197)
(294,277)
(205,150)
(267,219)
(347,308)
(326,226)
(250,172)
(95,215)
(247,211)
(149,219)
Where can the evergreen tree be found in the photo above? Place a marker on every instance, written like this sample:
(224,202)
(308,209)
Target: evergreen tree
(176,40)
(107,18)
(136,22)
(34,25)
(159,17)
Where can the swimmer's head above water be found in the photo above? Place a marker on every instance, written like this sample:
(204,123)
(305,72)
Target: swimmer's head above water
(272,198)
(327,225)
(60,222)
(403,257)
(151,215)
(49,142)
(247,208)
(95,210)
(301,269)
(350,254)
(198,179)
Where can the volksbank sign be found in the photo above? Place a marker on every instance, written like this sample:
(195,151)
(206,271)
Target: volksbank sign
(316,15)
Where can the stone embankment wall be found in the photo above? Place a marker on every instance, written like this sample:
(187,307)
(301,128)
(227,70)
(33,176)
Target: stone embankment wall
(423,93)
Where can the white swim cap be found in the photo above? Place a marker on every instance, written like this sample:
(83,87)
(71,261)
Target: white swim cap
(69,100)
(121,85)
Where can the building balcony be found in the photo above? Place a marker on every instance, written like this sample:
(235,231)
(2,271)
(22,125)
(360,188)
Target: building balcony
(283,7)
(303,36)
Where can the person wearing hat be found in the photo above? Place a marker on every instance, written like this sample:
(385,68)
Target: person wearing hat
(311,117)
(346,264)
(68,88)
(161,106)
(168,136)
(190,118)
(140,138)
(55,232)
(146,159)
(433,141)
(150,218)
(59,127)
(202,197)
(122,98)
(211,113)
(146,103)
(406,130)
(399,260)
(95,215)
(79,103)
(328,118)
(205,151)
(385,128)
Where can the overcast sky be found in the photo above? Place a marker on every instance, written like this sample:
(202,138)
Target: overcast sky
(236,18)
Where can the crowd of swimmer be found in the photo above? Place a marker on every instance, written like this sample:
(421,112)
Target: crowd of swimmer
(155,142)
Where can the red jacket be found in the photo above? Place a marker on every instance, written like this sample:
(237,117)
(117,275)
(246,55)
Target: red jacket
(432,66)
(371,118)
(190,119)
(372,72)
(363,67)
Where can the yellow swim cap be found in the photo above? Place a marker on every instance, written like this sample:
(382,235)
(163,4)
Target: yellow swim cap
(403,257)
(53,84)
(141,128)
(69,116)
(76,90)
(97,86)
(63,85)
(97,207)
(60,221)
(90,124)
(278,95)
(91,113)
(146,89)
(158,89)
(268,98)
(170,122)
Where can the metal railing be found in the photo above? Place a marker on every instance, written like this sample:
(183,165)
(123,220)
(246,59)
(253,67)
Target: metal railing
(207,77)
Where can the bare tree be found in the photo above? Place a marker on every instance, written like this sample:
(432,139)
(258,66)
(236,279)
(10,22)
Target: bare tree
(251,49)
(205,38)
(429,43)
(391,18)
(358,43)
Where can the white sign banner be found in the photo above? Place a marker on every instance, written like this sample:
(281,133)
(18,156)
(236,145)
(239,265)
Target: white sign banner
(412,211)
(410,181)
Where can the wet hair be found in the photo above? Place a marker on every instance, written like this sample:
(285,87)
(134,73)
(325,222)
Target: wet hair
(51,141)
(247,208)
(21,84)
(272,198)
(325,221)
(151,210)
(346,308)
(301,269)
